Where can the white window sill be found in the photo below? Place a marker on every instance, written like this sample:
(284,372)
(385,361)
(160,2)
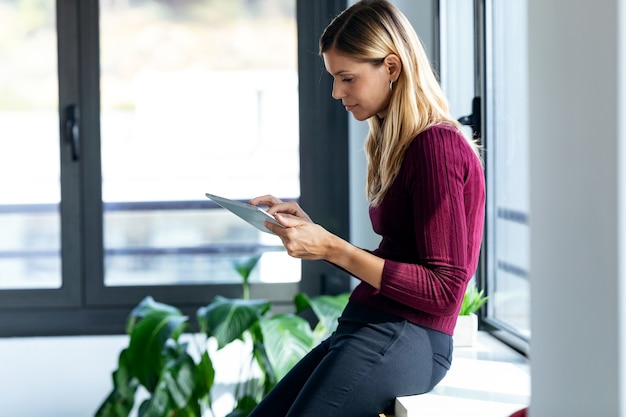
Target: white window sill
(486,380)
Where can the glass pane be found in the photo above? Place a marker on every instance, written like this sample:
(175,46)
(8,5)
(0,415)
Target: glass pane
(456,41)
(197,96)
(29,146)
(508,167)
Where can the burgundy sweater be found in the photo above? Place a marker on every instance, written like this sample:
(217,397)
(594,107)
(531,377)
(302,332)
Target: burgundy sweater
(431,223)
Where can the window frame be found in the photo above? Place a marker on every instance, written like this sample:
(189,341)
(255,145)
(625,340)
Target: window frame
(84,305)
(483,20)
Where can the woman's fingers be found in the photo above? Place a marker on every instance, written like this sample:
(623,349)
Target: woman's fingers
(290,207)
(286,220)
(265,200)
(302,239)
(276,205)
(290,220)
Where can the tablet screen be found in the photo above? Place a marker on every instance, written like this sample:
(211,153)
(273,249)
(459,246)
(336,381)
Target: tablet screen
(254,215)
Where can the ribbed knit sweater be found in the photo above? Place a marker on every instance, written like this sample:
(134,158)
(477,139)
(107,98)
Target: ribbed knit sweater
(431,224)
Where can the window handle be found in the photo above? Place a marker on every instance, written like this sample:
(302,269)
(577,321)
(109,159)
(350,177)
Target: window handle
(72,132)
(473,120)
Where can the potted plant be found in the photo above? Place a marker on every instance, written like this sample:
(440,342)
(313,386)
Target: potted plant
(178,381)
(466,329)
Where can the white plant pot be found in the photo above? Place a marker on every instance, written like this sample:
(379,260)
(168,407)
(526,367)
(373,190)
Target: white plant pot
(465,331)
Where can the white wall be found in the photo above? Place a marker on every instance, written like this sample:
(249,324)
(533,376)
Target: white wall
(58,376)
(71,376)
(578,185)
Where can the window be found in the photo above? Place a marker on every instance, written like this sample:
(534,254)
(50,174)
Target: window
(485,58)
(29,155)
(117,117)
(197,96)
(507,167)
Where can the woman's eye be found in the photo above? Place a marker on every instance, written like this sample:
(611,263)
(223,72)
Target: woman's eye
(347,80)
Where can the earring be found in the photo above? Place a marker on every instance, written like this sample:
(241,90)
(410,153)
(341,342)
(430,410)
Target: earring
(390,85)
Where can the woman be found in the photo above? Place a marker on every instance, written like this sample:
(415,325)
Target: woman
(426,190)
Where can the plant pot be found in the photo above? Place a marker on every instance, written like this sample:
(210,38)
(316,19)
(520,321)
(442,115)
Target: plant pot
(465,331)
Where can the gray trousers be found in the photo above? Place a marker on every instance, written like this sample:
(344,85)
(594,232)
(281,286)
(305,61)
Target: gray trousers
(371,359)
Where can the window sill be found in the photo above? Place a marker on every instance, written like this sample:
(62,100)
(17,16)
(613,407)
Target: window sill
(486,380)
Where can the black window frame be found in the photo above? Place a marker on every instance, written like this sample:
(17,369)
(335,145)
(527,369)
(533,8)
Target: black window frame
(486,273)
(84,305)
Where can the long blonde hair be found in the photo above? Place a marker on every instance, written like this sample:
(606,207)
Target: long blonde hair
(369,31)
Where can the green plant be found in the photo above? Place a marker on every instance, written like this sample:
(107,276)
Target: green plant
(244,269)
(179,383)
(473,300)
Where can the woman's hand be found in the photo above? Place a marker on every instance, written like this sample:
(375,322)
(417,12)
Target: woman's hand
(276,205)
(301,237)
(304,239)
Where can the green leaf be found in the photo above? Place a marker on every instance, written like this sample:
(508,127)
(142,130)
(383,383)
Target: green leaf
(179,374)
(174,391)
(147,341)
(226,319)
(244,407)
(148,306)
(327,309)
(111,407)
(158,405)
(245,267)
(268,378)
(287,338)
(473,300)
(301,302)
(123,380)
(121,400)
(192,410)
(204,376)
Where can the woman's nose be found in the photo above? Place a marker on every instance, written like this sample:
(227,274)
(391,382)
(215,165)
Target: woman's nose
(337,93)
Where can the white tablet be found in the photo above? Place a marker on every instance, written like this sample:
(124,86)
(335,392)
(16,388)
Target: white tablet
(254,215)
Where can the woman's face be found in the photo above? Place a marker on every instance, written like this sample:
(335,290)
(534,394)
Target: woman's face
(363,88)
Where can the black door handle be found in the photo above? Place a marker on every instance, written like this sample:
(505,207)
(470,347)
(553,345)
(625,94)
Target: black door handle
(473,120)
(71,131)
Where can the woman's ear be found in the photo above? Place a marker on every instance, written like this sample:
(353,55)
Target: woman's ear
(394,66)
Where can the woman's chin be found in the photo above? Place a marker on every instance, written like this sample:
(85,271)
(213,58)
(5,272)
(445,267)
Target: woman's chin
(361,116)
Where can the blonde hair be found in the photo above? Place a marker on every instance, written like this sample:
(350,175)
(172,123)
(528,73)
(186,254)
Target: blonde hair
(369,31)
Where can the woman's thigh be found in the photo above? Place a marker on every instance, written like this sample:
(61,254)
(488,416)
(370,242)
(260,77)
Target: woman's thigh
(366,367)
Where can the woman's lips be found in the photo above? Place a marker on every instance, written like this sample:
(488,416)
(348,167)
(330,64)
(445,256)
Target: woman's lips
(349,107)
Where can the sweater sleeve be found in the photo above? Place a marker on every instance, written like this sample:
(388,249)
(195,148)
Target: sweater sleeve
(441,179)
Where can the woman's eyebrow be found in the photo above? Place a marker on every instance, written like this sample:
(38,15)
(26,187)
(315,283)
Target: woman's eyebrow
(340,72)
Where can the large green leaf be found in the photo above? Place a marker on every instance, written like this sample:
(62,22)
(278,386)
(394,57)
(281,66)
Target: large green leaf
(179,374)
(148,338)
(226,319)
(205,377)
(114,406)
(123,380)
(148,306)
(121,400)
(260,355)
(327,309)
(176,393)
(159,404)
(287,338)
